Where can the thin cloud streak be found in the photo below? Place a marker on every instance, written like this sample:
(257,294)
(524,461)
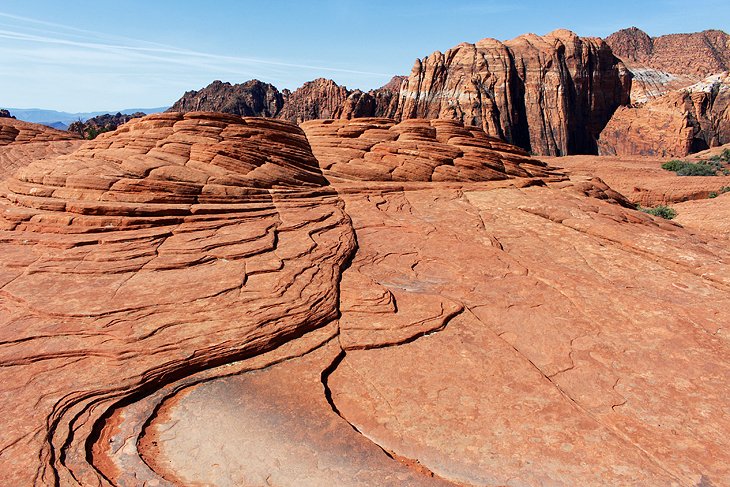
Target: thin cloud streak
(161,50)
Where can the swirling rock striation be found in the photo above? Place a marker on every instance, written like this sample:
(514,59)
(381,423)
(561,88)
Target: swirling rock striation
(379,149)
(14,131)
(173,244)
(181,302)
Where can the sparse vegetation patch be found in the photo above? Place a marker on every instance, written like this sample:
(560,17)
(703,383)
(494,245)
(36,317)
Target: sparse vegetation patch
(708,167)
(662,211)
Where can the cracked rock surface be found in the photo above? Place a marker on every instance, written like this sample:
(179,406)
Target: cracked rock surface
(204,299)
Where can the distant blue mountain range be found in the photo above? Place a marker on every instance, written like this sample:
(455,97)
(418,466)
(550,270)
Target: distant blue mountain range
(61,120)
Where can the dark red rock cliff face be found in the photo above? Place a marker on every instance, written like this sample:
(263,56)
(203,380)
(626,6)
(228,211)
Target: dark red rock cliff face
(317,99)
(252,98)
(551,95)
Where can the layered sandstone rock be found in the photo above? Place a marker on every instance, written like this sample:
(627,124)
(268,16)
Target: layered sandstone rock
(551,95)
(15,156)
(379,149)
(189,301)
(675,124)
(490,335)
(710,216)
(14,131)
(169,246)
(250,99)
(22,143)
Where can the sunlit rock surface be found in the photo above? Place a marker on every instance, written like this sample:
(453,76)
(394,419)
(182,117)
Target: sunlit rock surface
(205,299)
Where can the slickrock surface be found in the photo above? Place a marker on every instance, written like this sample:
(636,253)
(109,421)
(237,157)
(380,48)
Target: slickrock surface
(15,156)
(379,149)
(676,124)
(22,143)
(175,244)
(708,216)
(14,131)
(551,95)
(188,300)
(586,347)
(641,179)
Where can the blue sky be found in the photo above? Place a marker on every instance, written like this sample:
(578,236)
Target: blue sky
(85,56)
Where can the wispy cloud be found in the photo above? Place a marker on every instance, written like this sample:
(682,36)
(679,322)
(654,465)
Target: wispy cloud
(155,51)
(41,57)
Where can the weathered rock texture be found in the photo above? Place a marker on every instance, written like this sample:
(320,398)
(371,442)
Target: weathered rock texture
(551,95)
(14,132)
(701,53)
(250,99)
(675,124)
(172,245)
(709,216)
(15,156)
(490,335)
(671,62)
(378,149)
(641,179)
(188,300)
(318,99)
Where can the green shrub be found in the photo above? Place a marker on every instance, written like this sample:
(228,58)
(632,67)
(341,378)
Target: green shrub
(725,156)
(701,168)
(661,211)
(712,194)
(673,165)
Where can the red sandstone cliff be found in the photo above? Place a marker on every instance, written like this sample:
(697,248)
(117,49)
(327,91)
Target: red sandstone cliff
(673,125)
(551,95)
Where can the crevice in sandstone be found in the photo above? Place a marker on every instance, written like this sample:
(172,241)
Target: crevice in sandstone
(412,464)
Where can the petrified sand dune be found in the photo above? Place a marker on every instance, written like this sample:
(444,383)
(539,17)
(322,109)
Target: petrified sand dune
(379,149)
(176,243)
(14,131)
(15,156)
(23,142)
(205,299)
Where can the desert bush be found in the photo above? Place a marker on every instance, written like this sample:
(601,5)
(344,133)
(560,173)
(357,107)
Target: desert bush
(724,156)
(674,165)
(701,168)
(661,211)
